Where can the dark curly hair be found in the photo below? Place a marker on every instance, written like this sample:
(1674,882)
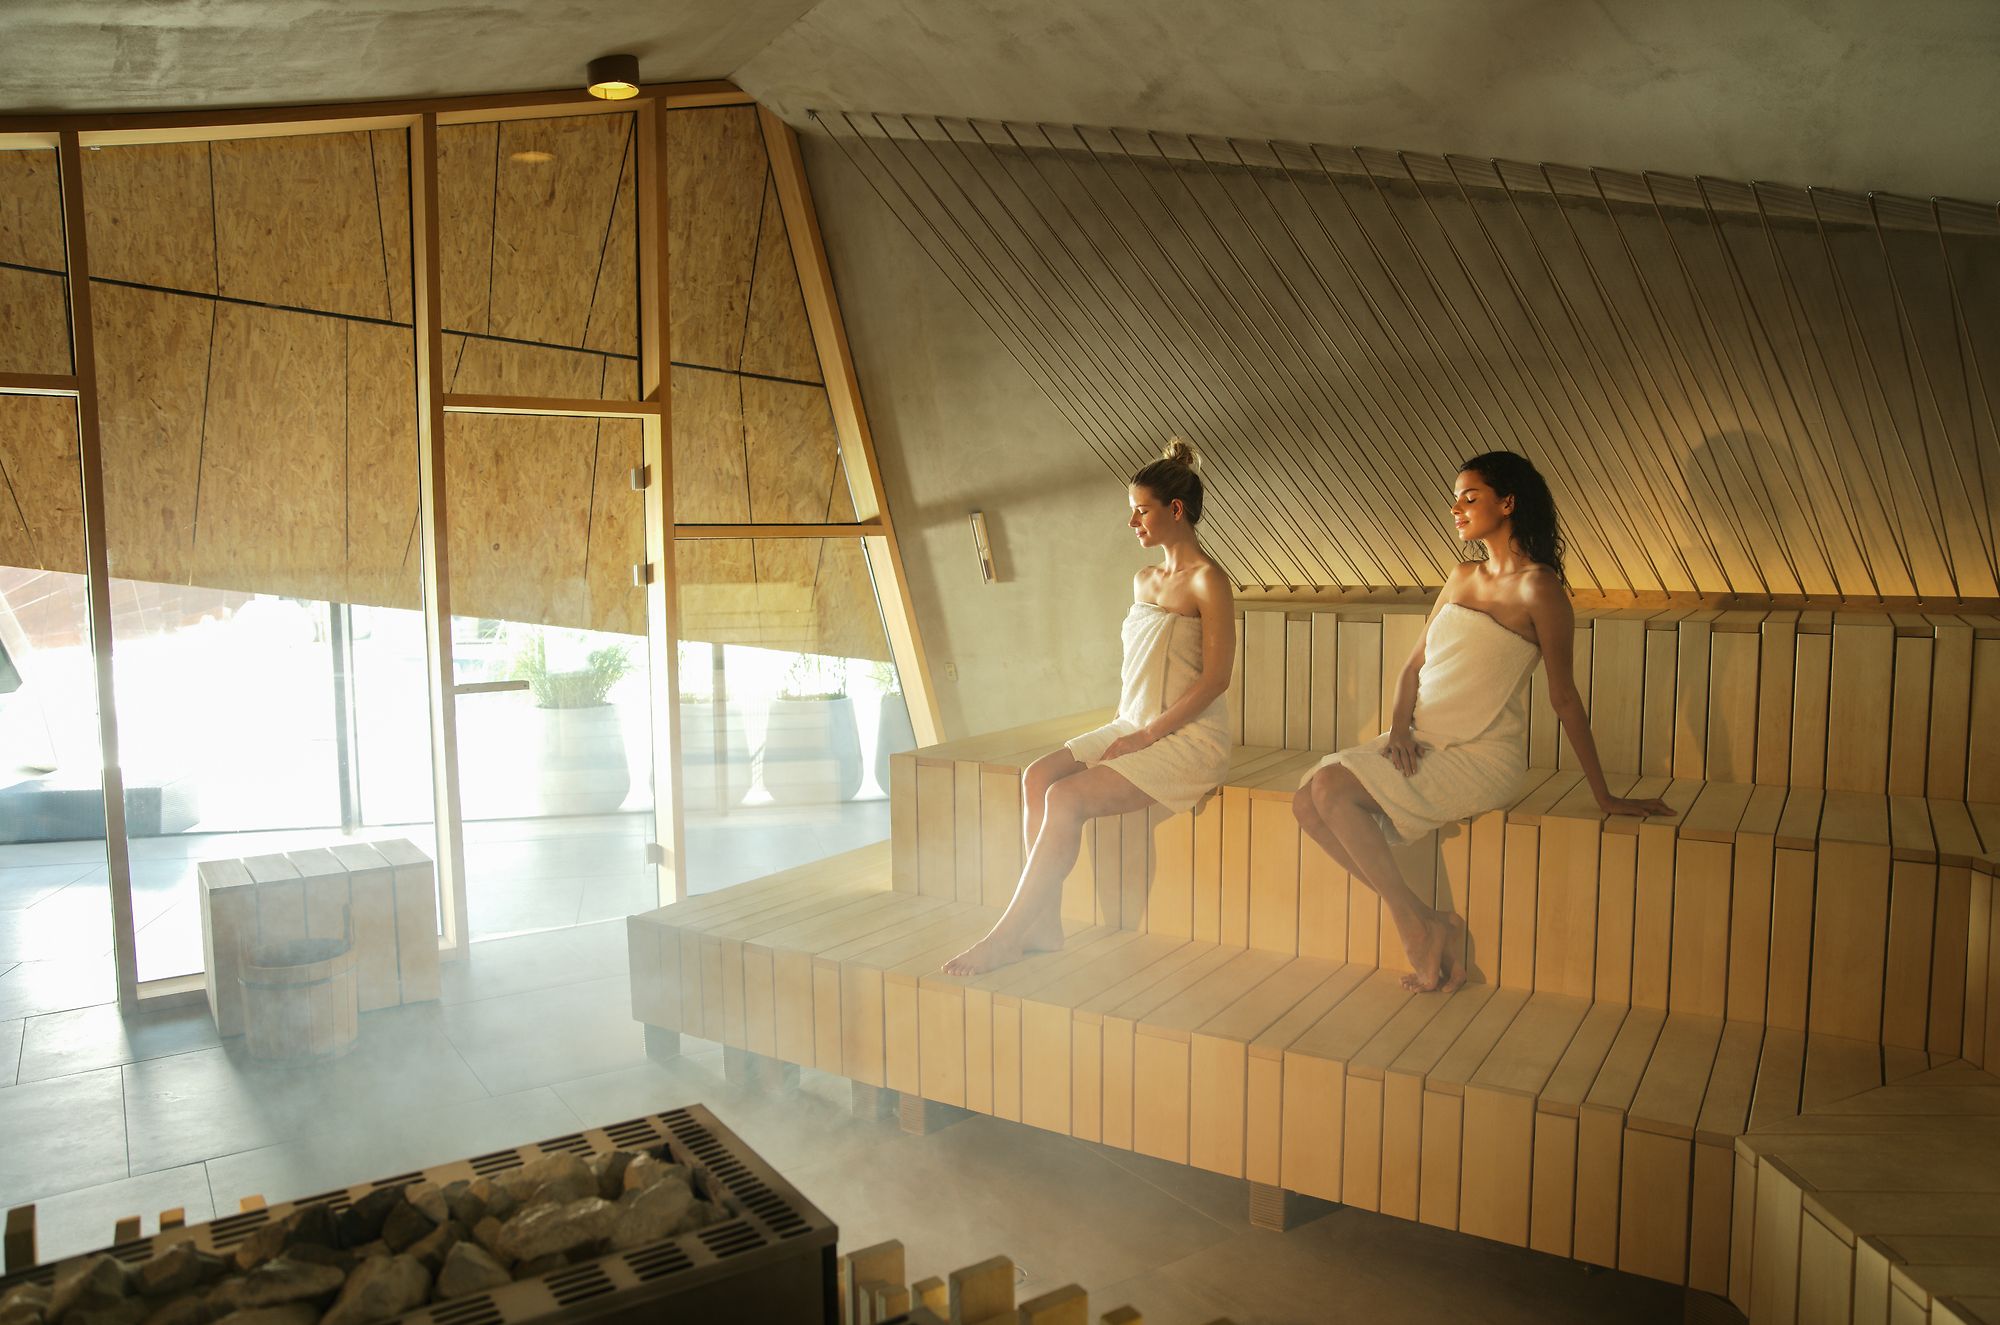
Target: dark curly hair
(1175,476)
(1534,518)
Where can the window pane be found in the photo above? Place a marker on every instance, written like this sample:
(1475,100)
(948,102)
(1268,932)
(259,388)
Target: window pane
(555,774)
(256,365)
(55,898)
(789,705)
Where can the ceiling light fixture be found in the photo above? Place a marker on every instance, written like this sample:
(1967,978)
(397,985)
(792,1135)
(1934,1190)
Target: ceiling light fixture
(532,155)
(614,77)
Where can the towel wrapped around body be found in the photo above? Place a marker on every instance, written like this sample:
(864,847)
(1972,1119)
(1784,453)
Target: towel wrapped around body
(1162,660)
(1471,720)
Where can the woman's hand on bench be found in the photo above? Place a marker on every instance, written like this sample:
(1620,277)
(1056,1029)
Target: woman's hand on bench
(1643,809)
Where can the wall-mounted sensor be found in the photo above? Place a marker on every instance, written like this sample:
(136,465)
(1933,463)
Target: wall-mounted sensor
(983,548)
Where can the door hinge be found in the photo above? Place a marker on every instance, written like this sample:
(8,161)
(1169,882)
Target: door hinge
(655,854)
(642,574)
(642,478)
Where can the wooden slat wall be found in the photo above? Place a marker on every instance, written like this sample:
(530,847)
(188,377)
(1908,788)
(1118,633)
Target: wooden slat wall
(1748,389)
(1861,702)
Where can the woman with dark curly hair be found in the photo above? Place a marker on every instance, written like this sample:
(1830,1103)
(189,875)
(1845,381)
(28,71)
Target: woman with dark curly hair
(1457,742)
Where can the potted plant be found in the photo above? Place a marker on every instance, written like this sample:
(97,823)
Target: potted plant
(581,768)
(893,732)
(812,745)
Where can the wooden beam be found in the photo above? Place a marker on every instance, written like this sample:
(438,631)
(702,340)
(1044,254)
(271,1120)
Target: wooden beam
(663,588)
(433,518)
(97,564)
(863,528)
(857,445)
(554,407)
(36,384)
(106,128)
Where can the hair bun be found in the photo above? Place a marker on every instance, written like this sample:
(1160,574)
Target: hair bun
(1181,451)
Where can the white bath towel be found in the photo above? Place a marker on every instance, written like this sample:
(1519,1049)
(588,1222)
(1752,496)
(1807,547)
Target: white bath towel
(1162,659)
(1471,720)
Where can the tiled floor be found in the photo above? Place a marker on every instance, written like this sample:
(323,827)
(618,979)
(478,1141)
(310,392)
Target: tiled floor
(102,1116)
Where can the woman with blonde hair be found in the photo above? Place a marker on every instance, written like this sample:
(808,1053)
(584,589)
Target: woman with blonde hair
(1169,744)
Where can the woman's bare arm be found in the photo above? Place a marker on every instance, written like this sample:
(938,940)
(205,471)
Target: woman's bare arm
(1218,657)
(1555,626)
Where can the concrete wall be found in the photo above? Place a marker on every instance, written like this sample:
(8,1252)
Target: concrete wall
(959,427)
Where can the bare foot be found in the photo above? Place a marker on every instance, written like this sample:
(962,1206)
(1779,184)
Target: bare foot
(1045,934)
(1437,963)
(1003,945)
(990,953)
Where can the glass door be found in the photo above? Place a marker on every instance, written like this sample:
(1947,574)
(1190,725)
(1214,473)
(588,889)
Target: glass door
(550,670)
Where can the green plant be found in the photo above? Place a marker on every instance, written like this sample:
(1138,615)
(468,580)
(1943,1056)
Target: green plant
(886,678)
(586,687)
(815,676)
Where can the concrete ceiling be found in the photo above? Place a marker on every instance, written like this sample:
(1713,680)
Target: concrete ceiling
(163,54)
(1849,93)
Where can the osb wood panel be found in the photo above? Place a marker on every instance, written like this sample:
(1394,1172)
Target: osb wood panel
(791,448)
(389,152)
(519,496)
(777,338)
(34,325)
(710,473)
(467,172)
(153,364)
(844,601)
(31,210)
(275,424)
(34,322)
(716,173)
(381,465)
(614,315)
(475,366)
(297,223)
(149,214)
(41,516)
(551,223)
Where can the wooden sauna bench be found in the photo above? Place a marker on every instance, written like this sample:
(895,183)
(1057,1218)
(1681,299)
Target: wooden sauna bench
(1646,993)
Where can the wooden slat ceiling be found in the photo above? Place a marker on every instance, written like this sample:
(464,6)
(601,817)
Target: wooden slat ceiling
(255,361)
(1734,389)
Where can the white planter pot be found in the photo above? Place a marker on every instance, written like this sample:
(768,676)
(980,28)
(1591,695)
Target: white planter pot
(581,768)
(893,735)
(811,752)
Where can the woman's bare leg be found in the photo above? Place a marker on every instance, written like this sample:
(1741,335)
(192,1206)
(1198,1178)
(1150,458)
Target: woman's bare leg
(1429,935)
(1036,779)
(1043,932)
(1071,803)
(1307,813)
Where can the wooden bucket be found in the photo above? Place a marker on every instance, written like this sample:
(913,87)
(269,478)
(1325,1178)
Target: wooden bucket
(300,998)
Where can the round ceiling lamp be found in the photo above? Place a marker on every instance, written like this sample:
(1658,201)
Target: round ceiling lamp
(614,77)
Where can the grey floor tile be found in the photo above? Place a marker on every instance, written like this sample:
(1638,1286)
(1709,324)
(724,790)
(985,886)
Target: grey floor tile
(496,967)
(1225,1200)
(83,1220)
(10,1050)
(34,987)
(61,1135)
(217,1101)
(518,1041)
(24,885)
(61,1043)
(983,1186)
(343,1154)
